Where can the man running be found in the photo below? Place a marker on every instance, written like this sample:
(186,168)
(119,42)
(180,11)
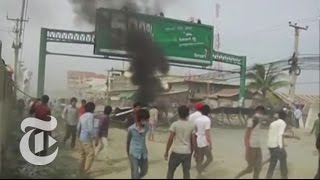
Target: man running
(102,135)
(204,144)
(253,144)
(136,145)
(86,136)
(182,141)
(71,115)
(276,146)
(41,111)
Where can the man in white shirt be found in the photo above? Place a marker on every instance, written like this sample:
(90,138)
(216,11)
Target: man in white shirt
(71,115)
(197,113)
(276,146)
(297,116)
(204,145)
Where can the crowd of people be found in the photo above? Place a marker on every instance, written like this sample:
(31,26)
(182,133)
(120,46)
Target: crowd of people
(189,136)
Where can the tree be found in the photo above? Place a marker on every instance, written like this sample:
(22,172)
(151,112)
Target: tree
(266,80)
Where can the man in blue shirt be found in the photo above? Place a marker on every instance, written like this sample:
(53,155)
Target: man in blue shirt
(136,145)
(86,136)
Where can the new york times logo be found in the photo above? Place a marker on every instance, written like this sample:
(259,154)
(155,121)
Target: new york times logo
(39,141)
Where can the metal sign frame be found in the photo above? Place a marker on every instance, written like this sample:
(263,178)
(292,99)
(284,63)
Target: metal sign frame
(111,26)
(78,37)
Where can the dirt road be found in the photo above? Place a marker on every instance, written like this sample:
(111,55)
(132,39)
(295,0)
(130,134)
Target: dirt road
(228,154)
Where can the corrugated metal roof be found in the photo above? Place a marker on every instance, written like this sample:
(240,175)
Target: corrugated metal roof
(230,92)
(300,98)
(174,92)
(226,93)
(82,75)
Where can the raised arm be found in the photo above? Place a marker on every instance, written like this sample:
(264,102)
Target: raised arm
(64,112)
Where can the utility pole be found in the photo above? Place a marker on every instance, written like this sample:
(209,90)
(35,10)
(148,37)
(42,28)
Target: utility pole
(0,51)
(295,71)
(17,44)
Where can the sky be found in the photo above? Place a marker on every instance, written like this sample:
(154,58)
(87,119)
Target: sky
(252,28)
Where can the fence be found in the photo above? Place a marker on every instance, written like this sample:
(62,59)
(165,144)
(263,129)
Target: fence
(7,102)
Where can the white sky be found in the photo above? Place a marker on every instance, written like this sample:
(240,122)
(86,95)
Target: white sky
(256,29)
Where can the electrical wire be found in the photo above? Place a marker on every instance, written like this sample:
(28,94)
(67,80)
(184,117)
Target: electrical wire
(277,27)
(13,83)
(307,63)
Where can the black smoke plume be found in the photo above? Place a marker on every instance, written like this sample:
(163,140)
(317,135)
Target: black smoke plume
(148,61)
(85,10)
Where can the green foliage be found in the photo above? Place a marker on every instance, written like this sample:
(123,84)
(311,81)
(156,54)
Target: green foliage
(266,81)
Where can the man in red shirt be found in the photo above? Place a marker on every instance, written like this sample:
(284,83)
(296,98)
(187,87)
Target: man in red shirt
(42,111)
(82,109)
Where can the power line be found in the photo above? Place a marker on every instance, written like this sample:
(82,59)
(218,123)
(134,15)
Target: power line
(278,26)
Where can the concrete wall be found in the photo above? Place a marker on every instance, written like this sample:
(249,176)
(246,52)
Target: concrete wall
(121,83)
(6,100)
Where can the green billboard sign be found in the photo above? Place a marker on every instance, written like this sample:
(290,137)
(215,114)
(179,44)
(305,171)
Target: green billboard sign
(183,42)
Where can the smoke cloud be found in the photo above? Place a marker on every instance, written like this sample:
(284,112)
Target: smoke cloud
(85,10)
(147,62)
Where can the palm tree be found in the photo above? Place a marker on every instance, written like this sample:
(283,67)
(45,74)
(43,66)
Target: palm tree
(266,81)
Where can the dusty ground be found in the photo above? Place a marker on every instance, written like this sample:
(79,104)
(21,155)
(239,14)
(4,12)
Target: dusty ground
(228,155)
